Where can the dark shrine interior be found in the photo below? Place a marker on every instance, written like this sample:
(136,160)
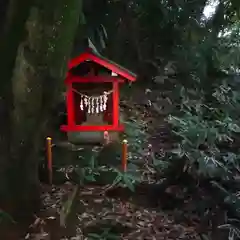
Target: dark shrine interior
(89,68)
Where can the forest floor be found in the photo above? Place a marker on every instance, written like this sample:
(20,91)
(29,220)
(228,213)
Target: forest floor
(118,213)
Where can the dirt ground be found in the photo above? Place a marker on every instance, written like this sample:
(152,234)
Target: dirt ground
(117,213)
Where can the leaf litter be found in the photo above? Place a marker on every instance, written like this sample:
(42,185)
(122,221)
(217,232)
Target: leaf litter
(95,211)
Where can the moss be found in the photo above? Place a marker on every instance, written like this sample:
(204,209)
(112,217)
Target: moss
(37,78)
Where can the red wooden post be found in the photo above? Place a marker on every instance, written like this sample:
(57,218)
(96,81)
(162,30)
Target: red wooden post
(115,104)
(70,106)
(49,158)
(124,155)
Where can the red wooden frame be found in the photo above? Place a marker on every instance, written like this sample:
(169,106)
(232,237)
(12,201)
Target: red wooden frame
(115,104)
(70,108)
(70,79)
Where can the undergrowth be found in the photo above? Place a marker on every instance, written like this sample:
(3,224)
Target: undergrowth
(208,138)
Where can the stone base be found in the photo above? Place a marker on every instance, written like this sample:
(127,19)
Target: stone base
(92,137)
(96,137)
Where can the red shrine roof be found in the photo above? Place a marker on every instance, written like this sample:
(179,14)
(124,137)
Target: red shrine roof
(97,58)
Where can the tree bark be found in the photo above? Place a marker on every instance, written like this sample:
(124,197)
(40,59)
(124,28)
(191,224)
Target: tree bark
(39,72)
(12,32)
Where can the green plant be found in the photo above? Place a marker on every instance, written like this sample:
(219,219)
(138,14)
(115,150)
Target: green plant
(206,126)
(4,216)
(135,131)
(88,170)
(128,179)
(105,235)
(233,231)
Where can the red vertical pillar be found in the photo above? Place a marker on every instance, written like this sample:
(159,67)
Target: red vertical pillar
(70,106)
(115,104)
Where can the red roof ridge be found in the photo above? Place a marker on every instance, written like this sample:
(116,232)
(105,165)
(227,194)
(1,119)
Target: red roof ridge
(114,67)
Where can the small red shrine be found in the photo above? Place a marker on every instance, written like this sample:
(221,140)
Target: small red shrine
(92,95)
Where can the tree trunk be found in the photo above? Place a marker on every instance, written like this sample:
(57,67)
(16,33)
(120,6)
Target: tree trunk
(39,72)
(12,32)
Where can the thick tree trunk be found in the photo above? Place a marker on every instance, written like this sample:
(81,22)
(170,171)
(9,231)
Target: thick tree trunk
(39,73)
(12,32)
